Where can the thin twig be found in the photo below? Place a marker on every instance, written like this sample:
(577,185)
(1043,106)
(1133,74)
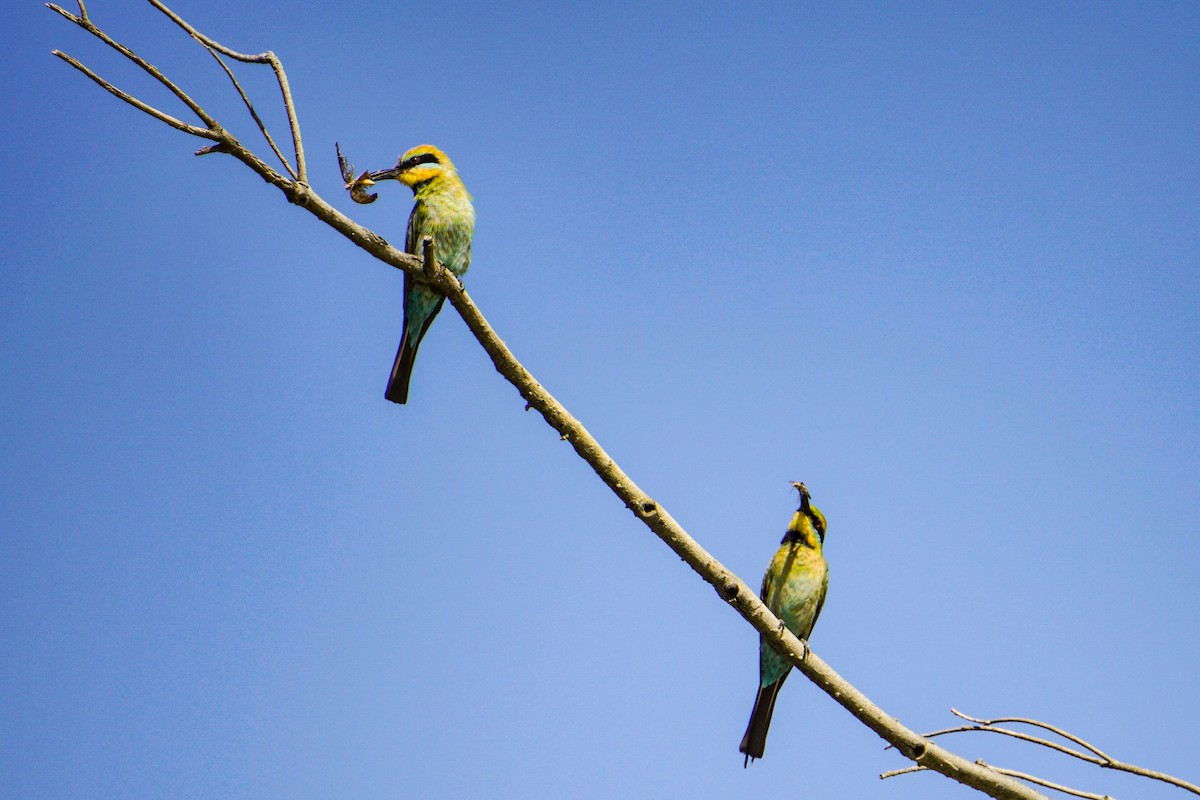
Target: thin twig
(262,58)
(1035,723)
(1010,773)
(177,124)
(1058,787)
(1018,735)
(1100,758)
(86,23)
(250,107)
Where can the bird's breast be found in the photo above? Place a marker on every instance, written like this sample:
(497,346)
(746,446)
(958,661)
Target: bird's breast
(797,581)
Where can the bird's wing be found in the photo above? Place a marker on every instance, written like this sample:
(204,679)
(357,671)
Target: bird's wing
(766,582)
(412,238)
(416,222)
(820,603)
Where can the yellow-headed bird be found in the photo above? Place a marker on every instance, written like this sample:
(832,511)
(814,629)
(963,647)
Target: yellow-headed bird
(794,589)
(442,210)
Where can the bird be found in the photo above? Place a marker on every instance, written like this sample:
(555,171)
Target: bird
(442,209)
(794,589)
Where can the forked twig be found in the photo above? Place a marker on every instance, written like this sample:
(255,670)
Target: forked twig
(1094,755)
(212,130)
(85,22)
(250,107)
(1012,774)
(1058,787)
(276,65)
(177,124)
(1100,754)
(1099,757)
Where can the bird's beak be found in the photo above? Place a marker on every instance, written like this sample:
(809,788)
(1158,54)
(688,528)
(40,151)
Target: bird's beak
(384,174)
(804,496)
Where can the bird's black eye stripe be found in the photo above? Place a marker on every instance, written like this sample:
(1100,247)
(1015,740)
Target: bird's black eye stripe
(818,526)
(423,158)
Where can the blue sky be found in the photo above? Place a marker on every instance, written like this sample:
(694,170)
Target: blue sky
(940,262)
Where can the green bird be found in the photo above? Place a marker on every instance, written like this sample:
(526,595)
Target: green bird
(442,210)
(794,589)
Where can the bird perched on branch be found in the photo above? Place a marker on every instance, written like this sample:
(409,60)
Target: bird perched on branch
(443,211)
(794,589)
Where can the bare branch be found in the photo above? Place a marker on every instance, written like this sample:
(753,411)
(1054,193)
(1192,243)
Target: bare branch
(177,124)
(1094,756)
(85,22)
(1045,726)
(1007,772)
(1018,735)
(1012,773)
(262,58)
(250,107)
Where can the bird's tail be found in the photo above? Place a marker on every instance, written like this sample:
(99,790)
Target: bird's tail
(755,740)
(406,356)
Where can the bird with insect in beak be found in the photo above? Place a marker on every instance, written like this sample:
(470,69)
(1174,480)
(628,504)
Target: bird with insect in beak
(442,210)
(794,589)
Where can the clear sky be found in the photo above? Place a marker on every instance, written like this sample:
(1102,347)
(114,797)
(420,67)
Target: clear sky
(939,261)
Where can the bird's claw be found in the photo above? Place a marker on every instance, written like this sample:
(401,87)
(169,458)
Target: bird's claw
(803,643)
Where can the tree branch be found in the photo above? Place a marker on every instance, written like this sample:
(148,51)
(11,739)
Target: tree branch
(280,76)
(250,107)
(177,124)
(731,589)
(85,22)
(1094,756)
(1058,787)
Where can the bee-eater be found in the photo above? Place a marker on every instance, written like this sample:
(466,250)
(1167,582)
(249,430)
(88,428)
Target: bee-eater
(443,210)
(794,589)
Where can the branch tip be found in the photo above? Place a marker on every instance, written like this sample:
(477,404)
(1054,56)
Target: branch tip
(429,263)
(1094,755)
